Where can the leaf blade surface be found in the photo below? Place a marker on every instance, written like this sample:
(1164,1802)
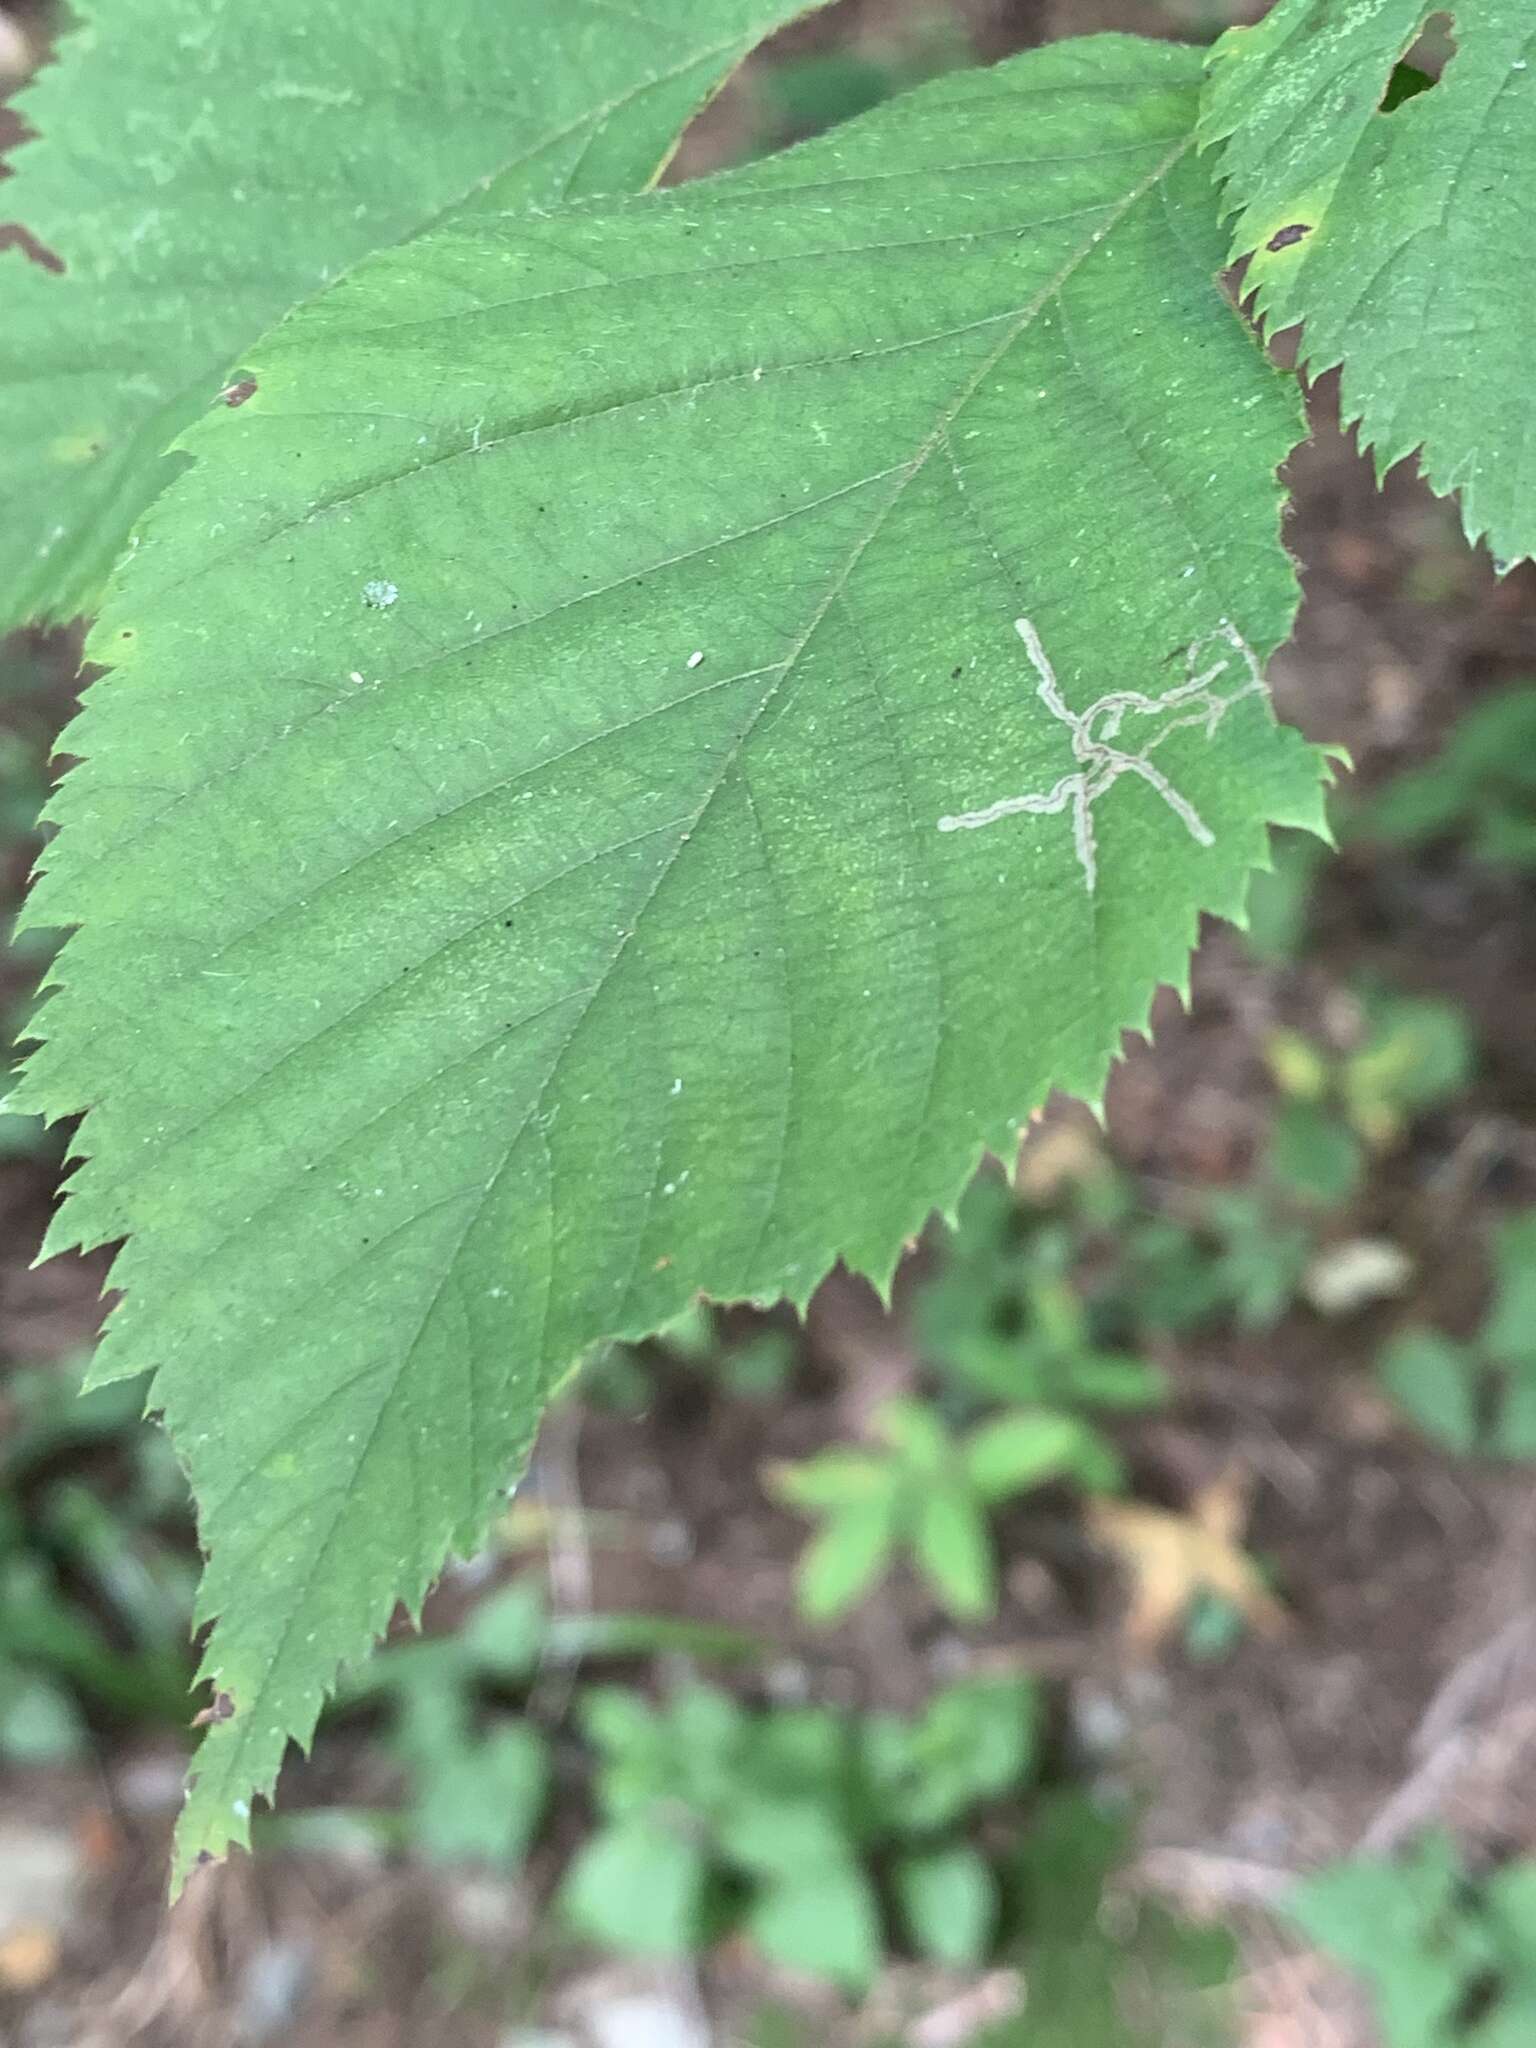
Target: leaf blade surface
(1404,243)
(508,863)
(293,143)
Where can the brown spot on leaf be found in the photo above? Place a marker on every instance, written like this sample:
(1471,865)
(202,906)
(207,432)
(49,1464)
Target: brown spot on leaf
(222,1709)
(1287,238)
(237,394)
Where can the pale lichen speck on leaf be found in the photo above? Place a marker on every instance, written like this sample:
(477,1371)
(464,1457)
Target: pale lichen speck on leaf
(1101,763)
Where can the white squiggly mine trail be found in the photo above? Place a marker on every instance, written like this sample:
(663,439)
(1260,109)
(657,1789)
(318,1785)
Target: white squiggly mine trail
(1194,702)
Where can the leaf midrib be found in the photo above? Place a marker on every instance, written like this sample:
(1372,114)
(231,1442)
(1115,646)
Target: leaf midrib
(914,467)
(903,474)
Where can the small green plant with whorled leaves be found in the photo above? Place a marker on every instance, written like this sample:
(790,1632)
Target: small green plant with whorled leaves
(647,729)
(713,1817)
(928,1494)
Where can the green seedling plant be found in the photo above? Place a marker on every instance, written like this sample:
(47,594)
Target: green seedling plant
(820,1837)
(1251,1252)
(477,1784)
(925,1493)
(1255,1254)
(1003,1319)
(1412,1053)
(645,730)
(456,1719)
(1480,792)
(710,1817)
(1478,1394)
(919,1782)
(95,1585)
(1449,1956)
(1240,1253)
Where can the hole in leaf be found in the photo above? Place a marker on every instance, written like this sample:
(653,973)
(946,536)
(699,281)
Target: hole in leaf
(1423,63)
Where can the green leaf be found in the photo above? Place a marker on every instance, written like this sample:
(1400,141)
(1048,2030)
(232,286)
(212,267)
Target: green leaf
(1419,1052)
(480,1803)
(987,1729)
(1280,897)
(38,1721)
(706,1731)
(977,1740)
(1510,1332)
(261,153)
(639,1888)
(949,1903)
(832,1479)
(779,1836)
(1512,1432)
(505,1635)
(845,1557)
(952,1548)
(617,1720)
(824,1922)
(918,1436)
(802,1750)
(1405,1928)
(1434,1379)
(1314,1154)
(508,863)
(1262,1259)
(1404,241)
(1015,1452)
(1482,783)
(1509,1900)
(1213,1627)
(1107,1379)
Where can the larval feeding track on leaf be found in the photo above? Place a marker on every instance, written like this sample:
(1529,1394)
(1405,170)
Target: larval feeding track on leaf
(1101,764)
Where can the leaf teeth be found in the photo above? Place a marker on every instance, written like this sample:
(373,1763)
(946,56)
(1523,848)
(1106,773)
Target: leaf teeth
(410,975)
(1423,325)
